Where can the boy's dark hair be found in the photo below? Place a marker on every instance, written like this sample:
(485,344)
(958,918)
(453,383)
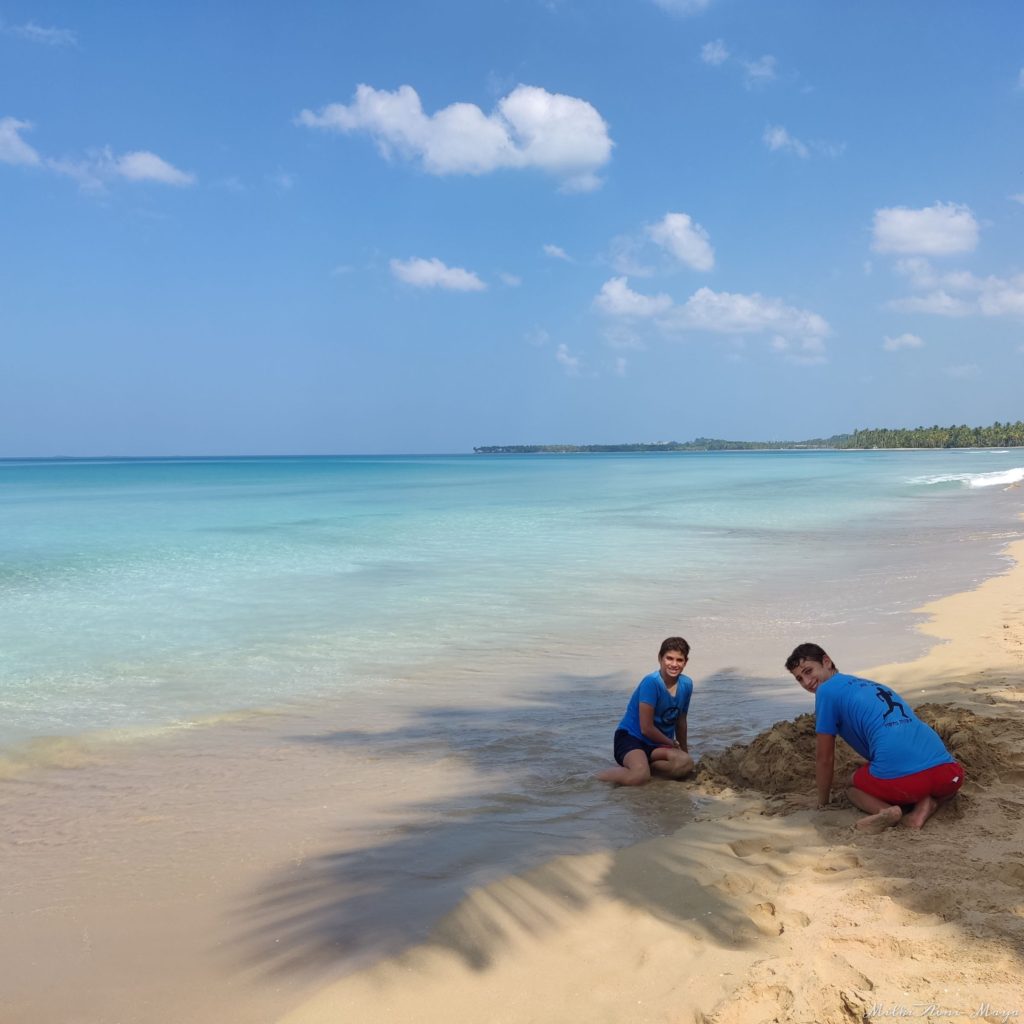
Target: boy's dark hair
(806,652)
(674,643)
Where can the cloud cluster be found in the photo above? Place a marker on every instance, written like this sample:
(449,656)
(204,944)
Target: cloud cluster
(556,252)
(762,70)
(959,292)
(938,230)
(798,333)
(684,7)
(432,273)
(676,234)
(13,148)
(616,298)
(714,52)
(687,241)
(777,138)
(758,71)
(46,36)
(902,341)
(529,128)
(96,169)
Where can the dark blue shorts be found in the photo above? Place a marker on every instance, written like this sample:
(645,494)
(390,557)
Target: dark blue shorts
(626,741)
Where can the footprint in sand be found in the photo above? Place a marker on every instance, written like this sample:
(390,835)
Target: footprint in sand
(769,921)
(834,862)
(749,847)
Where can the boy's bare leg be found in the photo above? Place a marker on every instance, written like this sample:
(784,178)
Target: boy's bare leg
(924,809)
(635,771)
(880,815)
(670,763)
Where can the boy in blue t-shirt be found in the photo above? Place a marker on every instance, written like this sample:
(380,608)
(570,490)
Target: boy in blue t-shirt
(652,734)
(908,764)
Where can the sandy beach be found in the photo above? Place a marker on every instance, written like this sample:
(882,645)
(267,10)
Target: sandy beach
(761,910)
(289,867)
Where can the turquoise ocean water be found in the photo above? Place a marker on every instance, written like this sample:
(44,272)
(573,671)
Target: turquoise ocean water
(137,594)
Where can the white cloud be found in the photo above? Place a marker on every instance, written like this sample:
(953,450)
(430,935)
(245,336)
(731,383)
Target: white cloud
(965,371)
(803,351)
(959,292)
(510,280)
(621,335)
(145,166)
(902,341)
(616,298)
(98,167)
(537,336)
(47,36)
(761,71)
(684,7)
(556,252)
(686,241)
(433,273)
(732,313)
(1002,296)
(568,362)
(937,302)
(776,137)
(714,53)
(936,230)
(102,166)
(13,148)
(1020,79)
(530,127)
(1018,198)
(799,334)
(619,367)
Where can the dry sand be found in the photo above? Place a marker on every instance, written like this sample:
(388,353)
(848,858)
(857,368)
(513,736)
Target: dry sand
(762,910)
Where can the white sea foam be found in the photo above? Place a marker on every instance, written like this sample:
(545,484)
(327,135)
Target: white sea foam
(1003,478)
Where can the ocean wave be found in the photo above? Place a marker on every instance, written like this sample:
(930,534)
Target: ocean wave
(1002,478)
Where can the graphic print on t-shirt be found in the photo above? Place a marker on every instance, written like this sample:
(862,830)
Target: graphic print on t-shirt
(891,702)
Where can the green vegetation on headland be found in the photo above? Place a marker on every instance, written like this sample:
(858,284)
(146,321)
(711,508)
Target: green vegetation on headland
(999,435)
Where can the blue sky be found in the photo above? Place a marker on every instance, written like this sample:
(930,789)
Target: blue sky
(410,227)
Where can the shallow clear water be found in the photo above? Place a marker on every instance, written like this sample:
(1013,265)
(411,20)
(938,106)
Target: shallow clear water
(138,594)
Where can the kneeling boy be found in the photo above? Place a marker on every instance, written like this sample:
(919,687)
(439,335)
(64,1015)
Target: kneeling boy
(908,764)
(652,734)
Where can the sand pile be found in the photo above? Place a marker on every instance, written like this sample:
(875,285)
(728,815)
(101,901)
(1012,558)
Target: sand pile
(780,761)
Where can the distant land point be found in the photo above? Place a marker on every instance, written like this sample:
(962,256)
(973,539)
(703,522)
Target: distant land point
(999,435)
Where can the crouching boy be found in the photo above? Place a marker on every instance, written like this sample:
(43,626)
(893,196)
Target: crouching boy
(908,764)
(651,738)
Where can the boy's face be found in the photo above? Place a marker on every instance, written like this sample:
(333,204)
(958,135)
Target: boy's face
(811,674)
(672,664)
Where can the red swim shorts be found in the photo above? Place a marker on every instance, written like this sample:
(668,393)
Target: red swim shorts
(941,781)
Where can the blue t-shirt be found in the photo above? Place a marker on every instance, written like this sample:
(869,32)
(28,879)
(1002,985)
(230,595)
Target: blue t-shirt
(879,725)
(668,707)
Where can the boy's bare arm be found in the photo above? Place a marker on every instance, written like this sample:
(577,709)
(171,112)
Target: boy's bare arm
(824,766)
(648,728)
(681,733)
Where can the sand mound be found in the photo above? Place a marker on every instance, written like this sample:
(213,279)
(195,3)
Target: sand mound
(780,760)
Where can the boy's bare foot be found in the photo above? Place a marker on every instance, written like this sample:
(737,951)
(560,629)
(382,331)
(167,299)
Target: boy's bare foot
(922,811)
(875,823)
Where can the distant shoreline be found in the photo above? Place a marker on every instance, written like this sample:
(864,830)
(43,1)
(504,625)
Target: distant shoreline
(998,435)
